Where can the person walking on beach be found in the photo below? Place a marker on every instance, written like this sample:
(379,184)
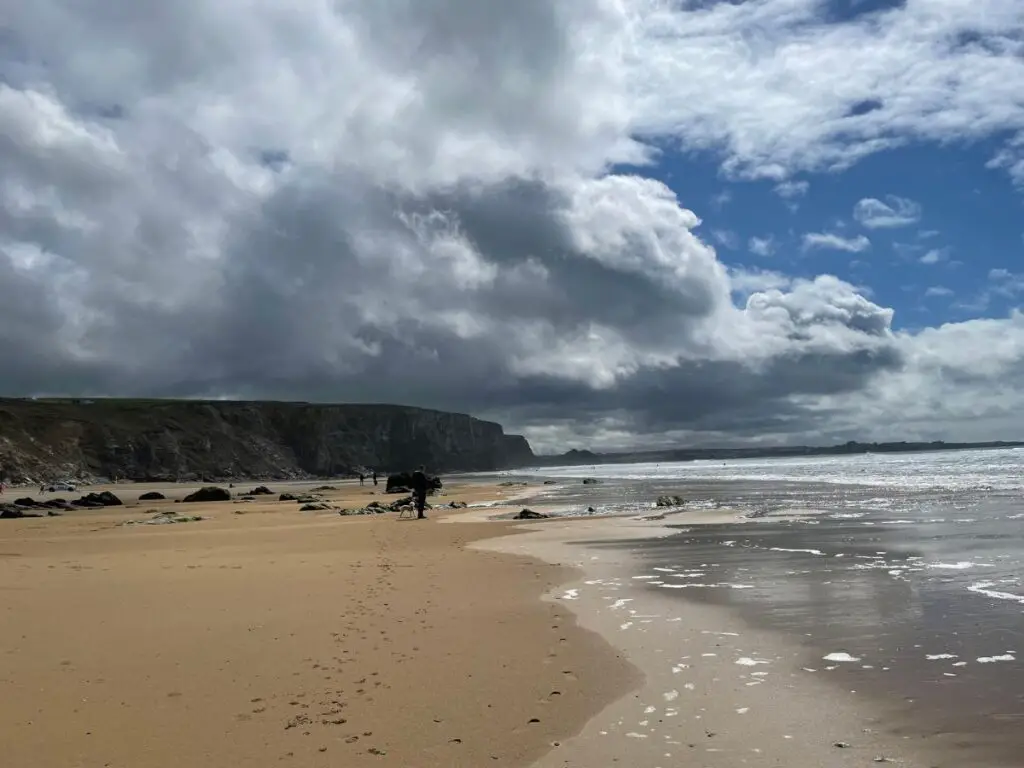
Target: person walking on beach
(375,477)
(361,478)
(419,491)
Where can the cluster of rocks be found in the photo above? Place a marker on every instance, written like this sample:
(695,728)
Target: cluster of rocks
(29,507)
(15,512)
(400,505)
(301,498)
(164,518)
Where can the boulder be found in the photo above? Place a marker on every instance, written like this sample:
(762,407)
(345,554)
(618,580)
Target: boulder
(315,506)
(550,482)
(402,482)
(102,499)
(260,490)
(670,501)
(10,512)
(56,504)
(327,488)
(457,505)
(529,514)
(209,493)
(26,502)
(152,496)
(589,481)
(287,497)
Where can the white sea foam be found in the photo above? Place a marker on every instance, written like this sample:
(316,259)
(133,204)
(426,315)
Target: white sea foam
(937,656)
(707,586)
(963,565)
(840,656)
(993,659)
(816,552)
(987,470)
(985,588)
(746,661)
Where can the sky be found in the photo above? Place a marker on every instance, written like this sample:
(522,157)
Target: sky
(604,223)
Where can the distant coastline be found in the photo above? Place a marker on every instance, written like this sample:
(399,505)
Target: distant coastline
(578,457)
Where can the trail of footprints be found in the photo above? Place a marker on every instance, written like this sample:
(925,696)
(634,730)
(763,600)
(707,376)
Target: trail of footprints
(321,713)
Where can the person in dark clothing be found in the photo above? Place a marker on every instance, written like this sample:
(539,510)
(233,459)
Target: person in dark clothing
(361,478)
(419,492)
(375,477)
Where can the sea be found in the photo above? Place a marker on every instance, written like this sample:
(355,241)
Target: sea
(899,574)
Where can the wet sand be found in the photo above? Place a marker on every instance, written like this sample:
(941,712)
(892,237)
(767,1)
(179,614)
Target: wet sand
(718,691)
(265,636)
(942,661)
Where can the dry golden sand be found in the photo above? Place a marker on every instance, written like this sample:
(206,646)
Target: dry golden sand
(275,637)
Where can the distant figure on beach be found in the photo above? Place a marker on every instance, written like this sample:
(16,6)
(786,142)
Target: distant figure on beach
(42,489)
(375,477)
(361,478)
(419,491)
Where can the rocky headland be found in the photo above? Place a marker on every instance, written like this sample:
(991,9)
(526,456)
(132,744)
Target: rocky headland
(191,440)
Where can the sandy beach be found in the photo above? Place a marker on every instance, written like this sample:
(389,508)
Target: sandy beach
(276,637)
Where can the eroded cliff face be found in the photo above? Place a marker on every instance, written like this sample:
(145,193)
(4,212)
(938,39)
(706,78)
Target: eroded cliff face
(186,440)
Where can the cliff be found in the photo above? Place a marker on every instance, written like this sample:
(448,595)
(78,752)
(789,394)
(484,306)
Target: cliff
(220,440)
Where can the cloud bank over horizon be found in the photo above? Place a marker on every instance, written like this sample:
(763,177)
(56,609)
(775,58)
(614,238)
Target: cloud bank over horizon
(453,204)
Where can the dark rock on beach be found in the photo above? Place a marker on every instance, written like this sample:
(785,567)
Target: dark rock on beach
(670,501)
(209,493)
(529,514)
(102,499)
(589,481)
(261,490)
(152,496)
(315,506)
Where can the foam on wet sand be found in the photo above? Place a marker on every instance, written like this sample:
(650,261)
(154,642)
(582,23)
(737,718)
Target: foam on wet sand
(716,692)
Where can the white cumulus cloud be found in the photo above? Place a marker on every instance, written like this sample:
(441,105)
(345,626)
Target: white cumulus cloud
(894,212)
(832,241)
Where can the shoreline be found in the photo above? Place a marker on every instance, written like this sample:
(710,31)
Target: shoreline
(715,689)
